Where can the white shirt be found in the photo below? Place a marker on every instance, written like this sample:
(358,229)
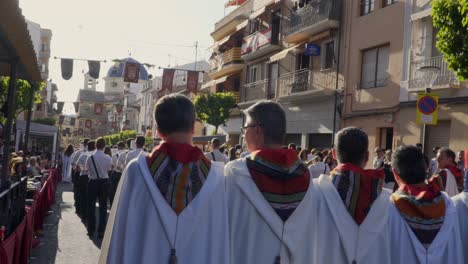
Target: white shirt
(378,163)
(103,165)
(433,166)
(133,154)
(82,162)
(317,169)
(115,160)
(244,154)
(75,156)
(216,155)
(121,160)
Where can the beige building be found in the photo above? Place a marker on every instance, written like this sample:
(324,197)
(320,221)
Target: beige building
(420,50)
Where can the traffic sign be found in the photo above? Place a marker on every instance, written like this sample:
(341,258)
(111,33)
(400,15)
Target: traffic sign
(427,109)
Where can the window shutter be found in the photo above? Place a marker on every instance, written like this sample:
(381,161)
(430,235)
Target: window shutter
(382,65)
(369,58)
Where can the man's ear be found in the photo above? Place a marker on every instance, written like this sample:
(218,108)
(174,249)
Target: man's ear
(397,177)
(334,153)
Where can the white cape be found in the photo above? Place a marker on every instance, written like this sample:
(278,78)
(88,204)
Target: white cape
(461,204)
(142,225)
(255,228)
(406,248)
(66,168)
(339,239)
(451,187)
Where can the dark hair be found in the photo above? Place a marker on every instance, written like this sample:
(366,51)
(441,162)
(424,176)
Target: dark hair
(129,142)
(292,146)
(303,152)
(449,153)
(108,151)
(120,144)
(232,154)
(100,143)
(91,145)
(69,150)
(215,143)
(238,147)
(352,144)
(174,113)
(408,162)
(85,141)
(271,118)
(140,141)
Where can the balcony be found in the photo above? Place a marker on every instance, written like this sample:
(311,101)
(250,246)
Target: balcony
(256,91)
(316,17)
(259,44)
(229,23)
(304,84)
(445,80)
(226,64)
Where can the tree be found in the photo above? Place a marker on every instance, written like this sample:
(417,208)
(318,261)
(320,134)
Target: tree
(50,121)
(214,108)
(450,17)
(23,91)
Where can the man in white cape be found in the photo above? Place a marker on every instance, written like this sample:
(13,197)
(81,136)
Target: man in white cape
(449,177)
(423,221)
(170,206)
(271,199)
(351,220)
(461,204)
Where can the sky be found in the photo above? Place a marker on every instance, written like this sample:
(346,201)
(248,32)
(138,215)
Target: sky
(158,32)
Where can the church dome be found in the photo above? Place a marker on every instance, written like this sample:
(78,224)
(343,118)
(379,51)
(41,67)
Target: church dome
(117,71)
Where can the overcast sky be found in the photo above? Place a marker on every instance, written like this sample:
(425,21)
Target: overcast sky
(153,31)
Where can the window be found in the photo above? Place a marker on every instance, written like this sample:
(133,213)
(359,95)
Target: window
(367,6)
(374,67)
(303,61)
(253,74)
(328,55)
(389,2)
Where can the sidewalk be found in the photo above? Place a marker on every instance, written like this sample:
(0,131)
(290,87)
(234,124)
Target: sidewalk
(64,239)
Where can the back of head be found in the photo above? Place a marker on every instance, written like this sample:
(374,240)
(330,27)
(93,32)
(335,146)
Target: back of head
(91,145)
(408,162)
(448,153)
(120,145)
(129,143)
(351,146)
(174,113)
(140,141)
(292,146)
(100,143)
(85,142)
(215,143)
(271,118)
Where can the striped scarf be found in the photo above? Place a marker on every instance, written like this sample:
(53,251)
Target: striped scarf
(179,171)
(281,177)
(440,178)
(358,188)
(423,208)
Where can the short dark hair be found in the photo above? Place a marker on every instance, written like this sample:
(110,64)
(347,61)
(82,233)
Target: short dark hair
(174,113)
(91,145)
(352,144)
(85,141)
(449,153)
(140,141)
(215,143)
(129,142)
(120,144)
(100,143)
(409,163)
(292,146)
(271,118)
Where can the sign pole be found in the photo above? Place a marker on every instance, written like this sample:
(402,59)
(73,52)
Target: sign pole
(428,91)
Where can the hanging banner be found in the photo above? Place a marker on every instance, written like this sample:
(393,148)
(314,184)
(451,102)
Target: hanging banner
(167,80)
(67,68)
(88,123)
(61,118)
(192,81)
(94,69)
(98,108)
(80,131)
(132,72)
(119,108)
(234,3)
(72,121)
(77,106)
(60,107)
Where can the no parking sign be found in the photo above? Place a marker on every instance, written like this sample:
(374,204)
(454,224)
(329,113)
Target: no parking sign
(427,109)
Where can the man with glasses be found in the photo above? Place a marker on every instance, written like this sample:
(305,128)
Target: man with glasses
(269,194)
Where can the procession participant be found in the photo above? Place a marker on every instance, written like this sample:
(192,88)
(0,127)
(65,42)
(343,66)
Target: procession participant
(170,206)
(116,173)
(66,164)
(461,204)
(132,154)
(449,177)
(216,154)
(423,222)
(122,160)
(270,194)
(76,170)
(81,204)
(353,210)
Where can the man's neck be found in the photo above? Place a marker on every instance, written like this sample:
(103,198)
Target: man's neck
(180,138)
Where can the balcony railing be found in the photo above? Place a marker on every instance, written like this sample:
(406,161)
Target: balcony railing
(306,80)
(446,76)
(231,56)
(258,40)
(255,91)
(313,13)
(242,11)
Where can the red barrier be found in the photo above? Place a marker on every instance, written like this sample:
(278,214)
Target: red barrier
(19,232)
(7,249)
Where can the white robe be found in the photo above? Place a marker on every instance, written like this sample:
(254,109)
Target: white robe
(66,168)
(461,204)
(406,248)
(142,225)
(255,228)
(339,239)
(451,187)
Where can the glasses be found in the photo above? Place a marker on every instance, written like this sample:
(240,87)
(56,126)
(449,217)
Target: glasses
(244,128)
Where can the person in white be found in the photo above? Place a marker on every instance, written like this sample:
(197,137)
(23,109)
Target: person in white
(423,222)
(215,154)
(271,199)
(461,204)
(318,167)
(121,161)
(449,177)
(82,182)
(378,163)
(133,154)
(66,164)
(97,164)
(116,173)
(154,220)
(433,163)
(351,222)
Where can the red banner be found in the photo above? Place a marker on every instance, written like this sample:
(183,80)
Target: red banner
(192,81)
(98,108)
(167,80)
(88,123)
(132,72)
(61,119)
(234,3)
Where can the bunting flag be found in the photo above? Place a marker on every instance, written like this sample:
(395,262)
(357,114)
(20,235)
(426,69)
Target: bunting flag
(98,108)
(192,81)
(72,121)
(94,69)
(88,123)
(167,80)
(61,118)
(119,108)
(60,107)
(234,3)
(132,72)
(67,68)
(77,106)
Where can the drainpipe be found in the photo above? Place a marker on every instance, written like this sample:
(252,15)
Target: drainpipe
(337,71)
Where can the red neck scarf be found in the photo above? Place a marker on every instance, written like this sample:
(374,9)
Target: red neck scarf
(425,192)
(181,152)
(374,174)
(280,157)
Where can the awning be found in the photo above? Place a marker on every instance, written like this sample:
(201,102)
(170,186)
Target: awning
(220,43)
(242,25)
(422,14)
(282,54)
(214,82)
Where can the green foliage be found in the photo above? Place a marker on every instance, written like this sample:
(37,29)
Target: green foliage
(450,17)
(149,142)
(50,121)
(122,136)
(23,89)
(214,108)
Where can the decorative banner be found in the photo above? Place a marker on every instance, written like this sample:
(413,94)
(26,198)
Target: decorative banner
(88,123)
(77,106)
(114,124)
(427,109)
(167,80)
(234,3)
(72,121)
(80,131)
(94,69)
(132,72)
(99,122)
(256,41)
(119,108)
(192,81)
(67,68)
(61,118)
(60,107)
(98,108)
